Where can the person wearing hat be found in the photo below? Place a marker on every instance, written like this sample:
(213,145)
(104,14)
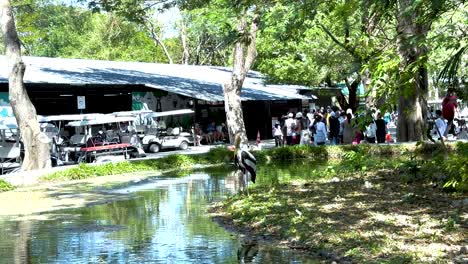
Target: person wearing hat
(278,134)
(289,124)
(298,129)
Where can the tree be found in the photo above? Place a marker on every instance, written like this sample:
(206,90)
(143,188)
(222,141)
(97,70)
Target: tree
(36,143)
(247,14)
(414,21)
(208,35)
(330,44)
(244,56)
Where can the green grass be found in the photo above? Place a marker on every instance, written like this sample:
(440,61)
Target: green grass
(84,171)
(349,158)
(366,212)
(5,186)
(365,203)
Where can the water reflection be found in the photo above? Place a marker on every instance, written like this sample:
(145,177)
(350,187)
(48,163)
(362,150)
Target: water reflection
(165,222)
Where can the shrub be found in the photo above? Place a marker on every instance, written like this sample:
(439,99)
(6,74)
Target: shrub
(425,148)
(456,169)
(175,162)
(218,155)
(5,186)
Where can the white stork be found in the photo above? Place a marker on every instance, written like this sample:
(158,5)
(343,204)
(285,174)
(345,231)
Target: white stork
(245,161)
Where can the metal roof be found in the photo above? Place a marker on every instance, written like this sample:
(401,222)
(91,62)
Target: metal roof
(201,82)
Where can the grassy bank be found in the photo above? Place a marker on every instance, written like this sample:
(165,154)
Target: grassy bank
(173,162)
(357,157)
(409,206)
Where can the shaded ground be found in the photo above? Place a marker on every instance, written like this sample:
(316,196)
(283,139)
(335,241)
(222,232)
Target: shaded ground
(368,218)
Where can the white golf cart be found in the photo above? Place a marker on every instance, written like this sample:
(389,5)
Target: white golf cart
(155,136)
(94,143)
(62,144)
(10,147)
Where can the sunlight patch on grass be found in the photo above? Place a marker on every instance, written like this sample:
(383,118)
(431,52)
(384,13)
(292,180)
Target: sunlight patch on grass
(332,207)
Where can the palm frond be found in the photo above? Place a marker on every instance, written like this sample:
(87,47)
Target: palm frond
(449,72)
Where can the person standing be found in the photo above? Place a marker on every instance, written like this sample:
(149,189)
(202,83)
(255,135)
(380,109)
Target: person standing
(381,129)
(371,131)
(440,125)
(342,118)
(298,129)
(348,129)
(449,103)
(289,124)
(320,136)
(278,134)
(334,129)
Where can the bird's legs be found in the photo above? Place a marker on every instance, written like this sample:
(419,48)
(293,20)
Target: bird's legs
(246,181)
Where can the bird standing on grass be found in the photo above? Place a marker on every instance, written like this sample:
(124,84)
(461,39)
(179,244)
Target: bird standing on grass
(245,161)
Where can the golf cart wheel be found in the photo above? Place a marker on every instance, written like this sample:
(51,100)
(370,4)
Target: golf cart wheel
(183,145)
(154,148)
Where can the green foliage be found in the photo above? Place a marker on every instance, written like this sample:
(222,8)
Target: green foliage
(210,28)
(219,154)
(456,168)
(58,30)
(296,152)
(176,161)
(5,186)
(425,148)
(83,171)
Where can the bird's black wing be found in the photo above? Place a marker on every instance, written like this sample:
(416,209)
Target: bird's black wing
(249,163)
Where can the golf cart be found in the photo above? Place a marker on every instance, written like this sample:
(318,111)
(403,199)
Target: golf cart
(10,147)
(93,142)
(154,134)
(54,127)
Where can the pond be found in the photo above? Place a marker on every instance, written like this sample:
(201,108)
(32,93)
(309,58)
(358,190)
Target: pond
(164,221)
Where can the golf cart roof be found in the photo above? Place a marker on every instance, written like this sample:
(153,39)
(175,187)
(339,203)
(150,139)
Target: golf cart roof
(104,119)
(74,117)
(132,113)
(171,113)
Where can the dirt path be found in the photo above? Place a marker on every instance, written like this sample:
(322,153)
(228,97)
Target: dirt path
(33,202)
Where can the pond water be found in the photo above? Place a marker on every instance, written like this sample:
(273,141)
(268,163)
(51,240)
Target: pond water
(165,221)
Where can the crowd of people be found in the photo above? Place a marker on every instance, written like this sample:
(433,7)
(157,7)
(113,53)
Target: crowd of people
(212,134)
(332,126)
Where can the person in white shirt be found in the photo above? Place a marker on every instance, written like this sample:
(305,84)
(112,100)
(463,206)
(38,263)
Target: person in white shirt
(321,133)
(371,131)
(440,124)
(278,134)
(290,124)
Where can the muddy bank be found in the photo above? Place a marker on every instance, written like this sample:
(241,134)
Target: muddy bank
(25,202)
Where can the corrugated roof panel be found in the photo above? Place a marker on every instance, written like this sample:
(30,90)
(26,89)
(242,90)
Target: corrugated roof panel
(201,82)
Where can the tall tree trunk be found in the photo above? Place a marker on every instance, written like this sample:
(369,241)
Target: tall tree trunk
(183,37)
(36,144)
(157,39)
(245,52)
(353,100)
(413,77)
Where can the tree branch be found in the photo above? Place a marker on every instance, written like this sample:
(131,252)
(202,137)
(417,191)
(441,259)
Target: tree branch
(347,48)
(150,25)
